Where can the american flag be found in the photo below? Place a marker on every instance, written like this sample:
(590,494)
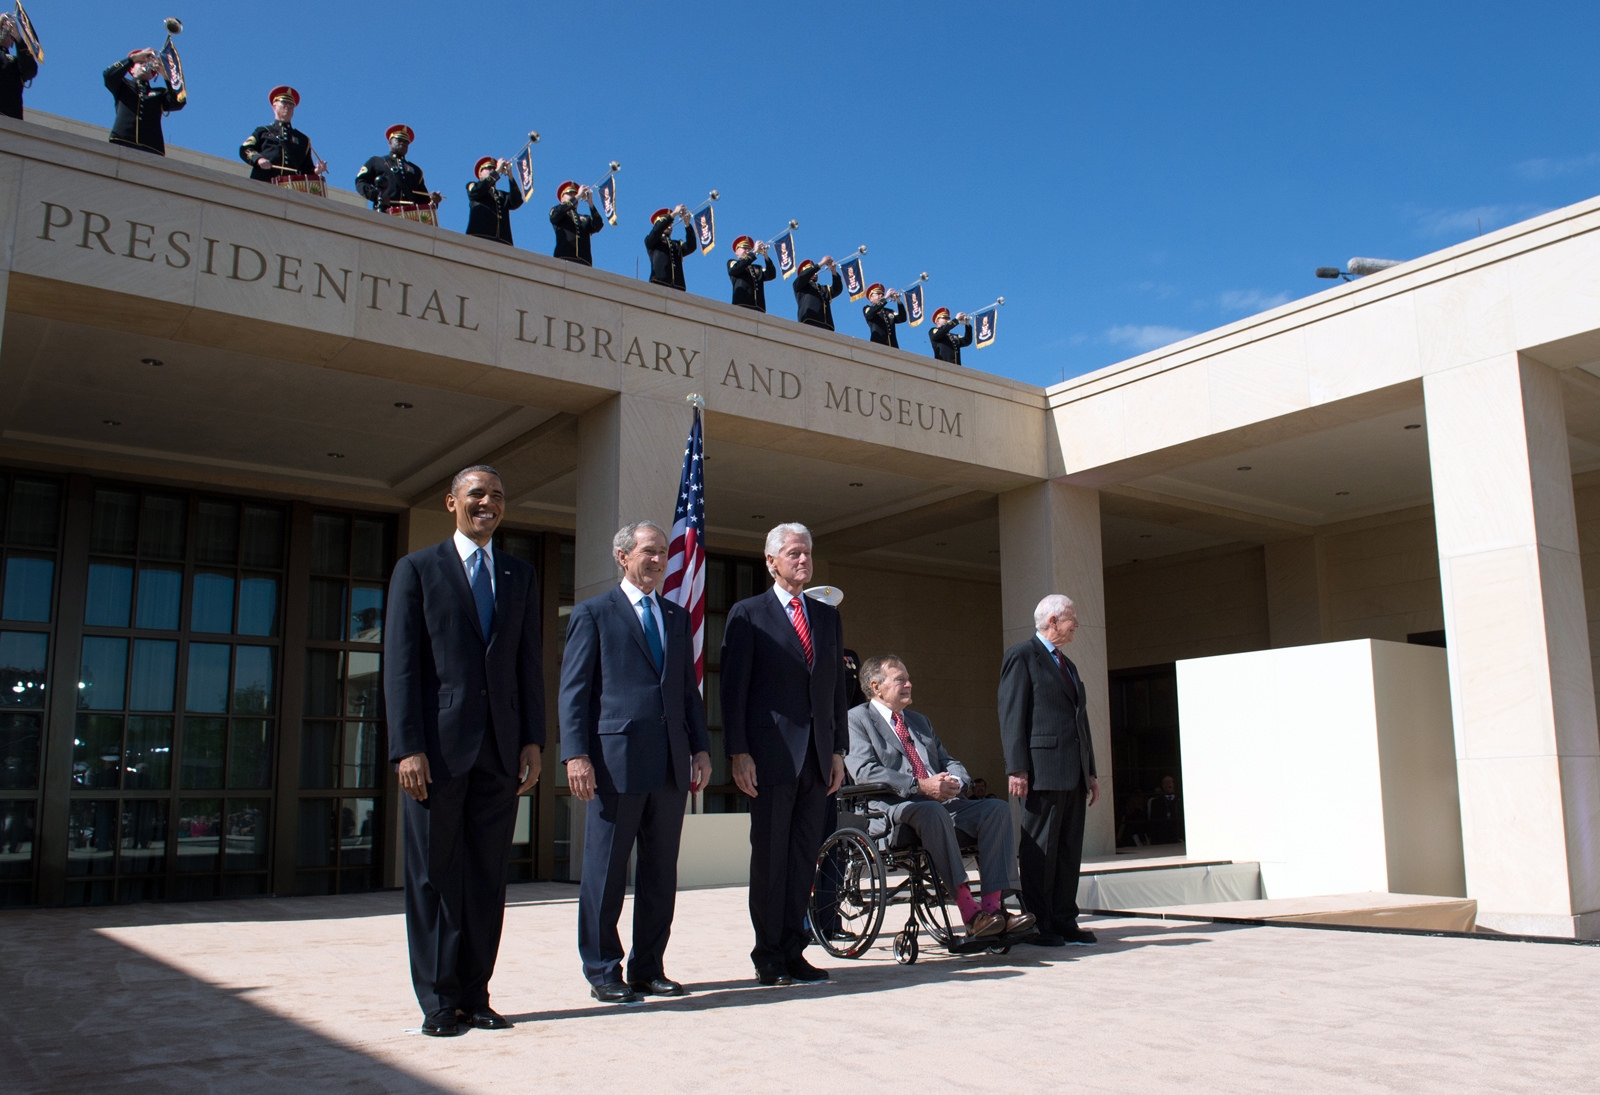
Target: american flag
(686,559)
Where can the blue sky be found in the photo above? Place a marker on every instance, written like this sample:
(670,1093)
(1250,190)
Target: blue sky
(1123,174)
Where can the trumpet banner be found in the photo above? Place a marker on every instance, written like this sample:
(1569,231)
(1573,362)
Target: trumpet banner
(985,322)
(914,304)
(705,230)
(783,248)
(608,199)
(30,37)
(855,282)
(524,170)
(172,66)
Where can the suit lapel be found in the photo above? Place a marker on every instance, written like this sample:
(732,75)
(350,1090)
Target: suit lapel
(456,576)
(780,615)
(628,618)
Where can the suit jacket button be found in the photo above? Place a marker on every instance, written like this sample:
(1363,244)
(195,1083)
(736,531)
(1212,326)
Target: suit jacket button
(483,691)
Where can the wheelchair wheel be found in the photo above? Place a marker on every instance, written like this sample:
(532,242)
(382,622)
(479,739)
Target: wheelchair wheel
(847,923)
(905,944)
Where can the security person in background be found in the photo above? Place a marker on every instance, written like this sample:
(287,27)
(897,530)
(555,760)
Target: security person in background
(14,71)
(666,253)
(140,106)
(946,343)
(880,320)
(573,228)
(279,148)
(488,207)
(813,303)
(749,274)
(388,180)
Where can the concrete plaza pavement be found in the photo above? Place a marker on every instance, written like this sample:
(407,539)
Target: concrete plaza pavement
(313,994)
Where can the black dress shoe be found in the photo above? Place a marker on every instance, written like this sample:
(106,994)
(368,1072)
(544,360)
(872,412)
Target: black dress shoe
(657,986)
(801,970)
(1047,939)
(484,1018)
(613,992)
(441,1024)
(1079,937)
(773,975)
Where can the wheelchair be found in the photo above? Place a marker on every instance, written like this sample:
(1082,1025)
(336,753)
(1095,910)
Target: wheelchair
(868,875)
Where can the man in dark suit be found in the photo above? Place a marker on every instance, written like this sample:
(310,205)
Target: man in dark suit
(897,747)
(783,721)
(464,686)
(1044,730)
(633,736)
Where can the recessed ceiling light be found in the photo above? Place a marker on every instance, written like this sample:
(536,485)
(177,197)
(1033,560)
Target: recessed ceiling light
(109,422)
(336,456)
(1340,493)
(758,517)
(1145,535)
(1242,467)
(941,543)
(403,405)
(1415,426)
(994,551)
(855,484)
(156,361)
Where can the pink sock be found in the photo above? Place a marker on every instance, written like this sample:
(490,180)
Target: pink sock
(964,902)
(991,901)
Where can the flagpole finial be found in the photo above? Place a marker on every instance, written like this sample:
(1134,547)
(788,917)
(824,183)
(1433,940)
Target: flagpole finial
(862,250)
(794,224)
(696,399)
(1002,300)
(615,166)
(715,195)
(533,136)
(924,276)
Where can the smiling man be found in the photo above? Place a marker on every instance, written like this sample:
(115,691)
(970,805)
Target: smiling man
(464,687)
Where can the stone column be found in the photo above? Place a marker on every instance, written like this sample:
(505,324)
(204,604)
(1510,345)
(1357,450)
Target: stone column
(1297,591)
(1050,543)
(1521,685)
(630,456)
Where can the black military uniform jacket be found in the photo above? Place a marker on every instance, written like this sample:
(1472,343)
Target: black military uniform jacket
(489,209)
(947,344)
(283,145)
(813,303)
(385,180)
(748,277)
(14,72)
(139,109)
(666,253)
(881,321)
(573,230)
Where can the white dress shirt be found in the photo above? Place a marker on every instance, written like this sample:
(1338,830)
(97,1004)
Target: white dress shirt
(467,549)
(635,595)
(888,717)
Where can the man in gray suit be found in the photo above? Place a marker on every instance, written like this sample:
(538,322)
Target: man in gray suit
(893,746)
(1044,729)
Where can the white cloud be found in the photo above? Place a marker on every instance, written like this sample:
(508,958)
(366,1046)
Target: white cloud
(1147,337)
(1250,300)
(1468,222)
(1542,168)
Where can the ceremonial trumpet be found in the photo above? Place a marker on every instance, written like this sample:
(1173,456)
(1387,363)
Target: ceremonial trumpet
(830,263)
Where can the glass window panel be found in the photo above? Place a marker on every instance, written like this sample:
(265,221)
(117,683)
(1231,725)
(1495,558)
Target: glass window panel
(713,698)
(250,753)
(208,677)
(202,752)
(319,754)
(5,494)
(161,524)
(567,585)
(97,751)
(160,592)
(149,756)
(200,823)
(29,583)
(258,605)
(245,845)
(361,757)
(330,543)
(716,623)
(356,822)
(311,883)
(261,543)
(216,532)
(20,736)
(318,826)
(144,836)
(243,885)
(22,668)
(194,887)
(142,888)
(252,680)
(155,672)
(35,512)
(363,692)
(325,618)
(366,614)
(518,545)
(744,581)
(322,681)
(101,677)
(16,839)
(212,607)
(91,836)
(369,548)
(110,597)
(115,525)
(716,584)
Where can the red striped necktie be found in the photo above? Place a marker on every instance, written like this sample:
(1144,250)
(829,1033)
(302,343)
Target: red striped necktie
(797,615)
(918,769)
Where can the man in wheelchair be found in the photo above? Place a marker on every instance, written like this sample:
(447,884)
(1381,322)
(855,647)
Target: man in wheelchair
(897,748)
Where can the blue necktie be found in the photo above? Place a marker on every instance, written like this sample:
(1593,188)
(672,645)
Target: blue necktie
(652,637)
(483,592)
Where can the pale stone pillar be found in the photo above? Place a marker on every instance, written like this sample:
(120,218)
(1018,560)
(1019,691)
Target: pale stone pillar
(1521,685)
(630,457)
(1296,591)
(1050,543)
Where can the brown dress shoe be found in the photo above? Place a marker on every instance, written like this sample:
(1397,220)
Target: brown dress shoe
(986,924)
(1019,923)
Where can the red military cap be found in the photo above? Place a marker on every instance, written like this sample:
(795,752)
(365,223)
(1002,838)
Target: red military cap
(659,214)
(563,189)
(284,91)
(945,312)
(805,263)
(875,287)
(401,131)
(482,160)
(744,241)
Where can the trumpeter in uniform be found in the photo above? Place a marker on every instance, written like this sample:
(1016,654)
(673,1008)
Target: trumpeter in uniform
(880,319)
(813,303)
(573,228)
(666,253)
(140,107)
(488,207)
(946,343)
(280,149)
(749,274)
(389,180)
(14,71)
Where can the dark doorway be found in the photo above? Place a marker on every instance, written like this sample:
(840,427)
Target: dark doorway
(1145,753)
